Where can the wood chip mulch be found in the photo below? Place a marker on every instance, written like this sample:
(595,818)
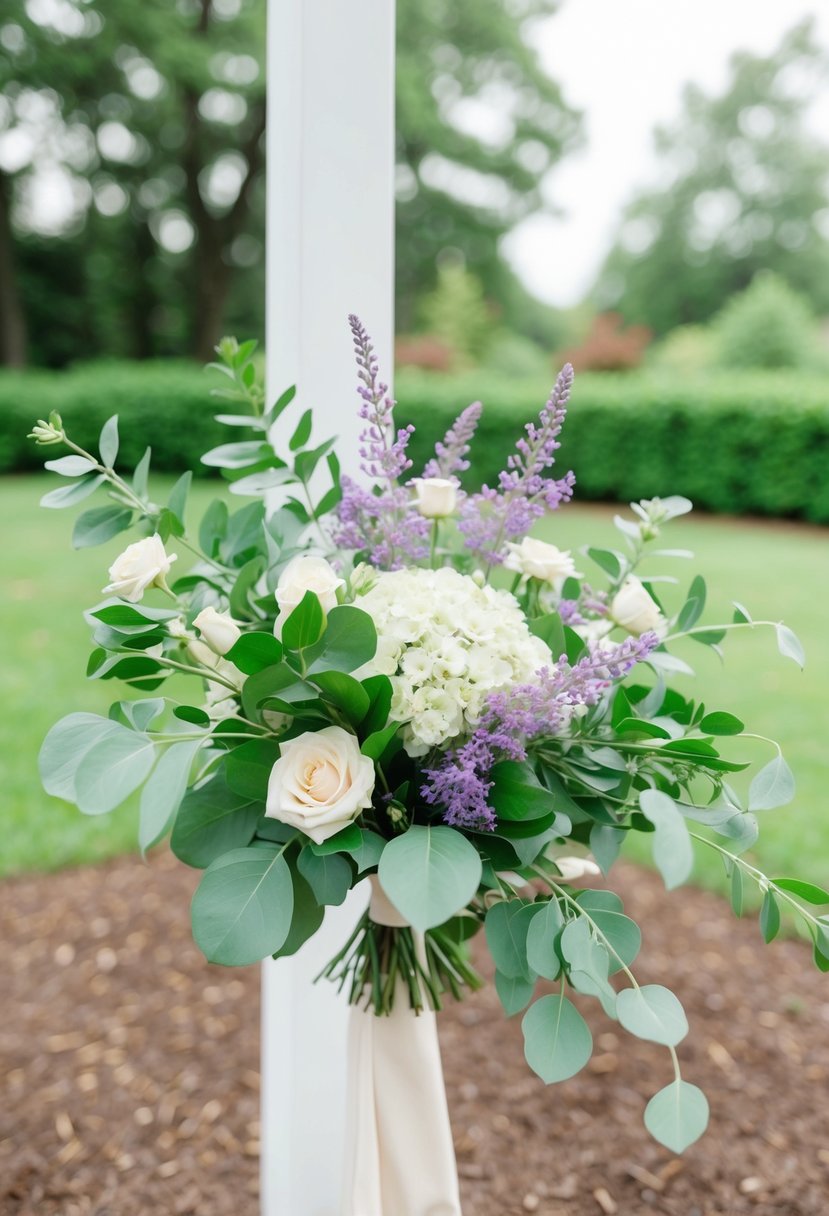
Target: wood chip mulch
(129,1083)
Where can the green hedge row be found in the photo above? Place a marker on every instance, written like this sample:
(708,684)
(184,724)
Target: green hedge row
(740,443)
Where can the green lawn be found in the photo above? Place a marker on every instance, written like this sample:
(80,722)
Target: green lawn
(777,571)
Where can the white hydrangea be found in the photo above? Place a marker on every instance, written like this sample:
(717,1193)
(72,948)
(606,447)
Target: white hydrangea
(446,643)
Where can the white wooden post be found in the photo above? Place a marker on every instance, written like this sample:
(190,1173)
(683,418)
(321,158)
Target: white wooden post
(330,239)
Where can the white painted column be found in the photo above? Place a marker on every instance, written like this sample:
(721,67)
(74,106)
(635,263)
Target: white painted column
(330,247)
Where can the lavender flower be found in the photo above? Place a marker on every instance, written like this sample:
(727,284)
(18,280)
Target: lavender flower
(493,517)
(450,455)
(380,522)
(512,719)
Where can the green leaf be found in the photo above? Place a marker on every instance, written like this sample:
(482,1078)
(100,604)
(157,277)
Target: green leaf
(238,455)
(606,844)
(243,907)
(721,723)
(677,1116)
(112,768)
(772,787)
(164,790)
(588,963)
(108,442)
(341,842)
(246,580)
(304,626)
(65,748)
(551,631)
(99,525)
(673,852)
(349,641)
(344,693)
(329,876)
(557,1040)
(177,502)
(517,794)
(211,821)
(308,915)
(380,693)
(76,491)
(806,890)
(141,474)
(623,935)
(130,616)
(213,527)
(506,926)
(790,646)
(514,992)
(608,561)
(303,431)
(248,767)
(279,684)
(737,890)
(694,605)
(653,1013)
(255,651)
(370,850)
(70,466)
(769,917)
(742,616)
(429,874)
(375,745)
(542,934)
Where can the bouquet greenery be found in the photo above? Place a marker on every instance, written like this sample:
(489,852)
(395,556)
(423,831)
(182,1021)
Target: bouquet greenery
(394,680)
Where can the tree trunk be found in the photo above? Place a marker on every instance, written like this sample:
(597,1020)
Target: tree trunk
(12,317)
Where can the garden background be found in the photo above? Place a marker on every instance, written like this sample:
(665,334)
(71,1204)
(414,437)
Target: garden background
(131,239)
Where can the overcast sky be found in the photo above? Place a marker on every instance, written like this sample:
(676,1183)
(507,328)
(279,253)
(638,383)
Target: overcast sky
(624,62)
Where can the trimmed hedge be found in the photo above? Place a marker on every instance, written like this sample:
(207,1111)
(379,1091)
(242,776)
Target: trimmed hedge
(736,443)
(740,443)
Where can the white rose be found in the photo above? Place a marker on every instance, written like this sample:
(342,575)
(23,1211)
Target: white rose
(574,868)
(306,573)
(436,496)
(635,609)
(141,565)
(320,783)
(537,559)
(217,629)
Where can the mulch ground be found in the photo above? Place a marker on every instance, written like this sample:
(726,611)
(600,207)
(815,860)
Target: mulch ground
(129,1085)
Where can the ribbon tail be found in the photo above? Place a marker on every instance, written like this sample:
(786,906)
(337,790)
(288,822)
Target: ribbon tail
(400,1159)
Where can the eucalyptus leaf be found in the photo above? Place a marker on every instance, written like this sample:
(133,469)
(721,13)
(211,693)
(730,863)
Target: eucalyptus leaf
(75,491)
(243,907)
(653,1013)
(99,525)
(112,768)
(164,790)
(672,849)
(349,641)
(514,992)
(213,820)
(108,442)
(506,926)
(772,787)
(542,934)
(429,874)
(677,1116)
(790,646)
(557,1040)
(329,876)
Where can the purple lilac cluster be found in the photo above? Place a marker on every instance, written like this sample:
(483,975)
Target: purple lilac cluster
(524,493)
(380,522)
(461,783)
(450,456)
(593,603)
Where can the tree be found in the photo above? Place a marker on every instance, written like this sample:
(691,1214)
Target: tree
(156,113)
(479,124)
(745,191)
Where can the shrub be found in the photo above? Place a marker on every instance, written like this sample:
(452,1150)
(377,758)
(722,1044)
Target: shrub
(609,346)
(766,326)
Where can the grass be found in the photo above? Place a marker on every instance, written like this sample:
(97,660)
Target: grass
(778,571)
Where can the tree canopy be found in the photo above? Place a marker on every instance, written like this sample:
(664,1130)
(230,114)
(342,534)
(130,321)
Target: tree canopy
(744,191)
(147,119)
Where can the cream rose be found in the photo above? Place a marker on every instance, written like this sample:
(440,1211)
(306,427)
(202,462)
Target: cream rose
(537,559)
(320,783)
(436,496)
(635,609)
(217,629)
(141,565)
(306,573)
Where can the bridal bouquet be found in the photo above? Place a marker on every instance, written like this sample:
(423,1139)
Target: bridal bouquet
(394,679)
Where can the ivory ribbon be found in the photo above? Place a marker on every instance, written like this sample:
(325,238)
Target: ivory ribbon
(400,1160)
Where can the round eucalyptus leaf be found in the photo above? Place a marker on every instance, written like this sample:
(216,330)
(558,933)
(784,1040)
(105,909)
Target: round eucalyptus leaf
(652,1013)
(677,1116)
(557,1040)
